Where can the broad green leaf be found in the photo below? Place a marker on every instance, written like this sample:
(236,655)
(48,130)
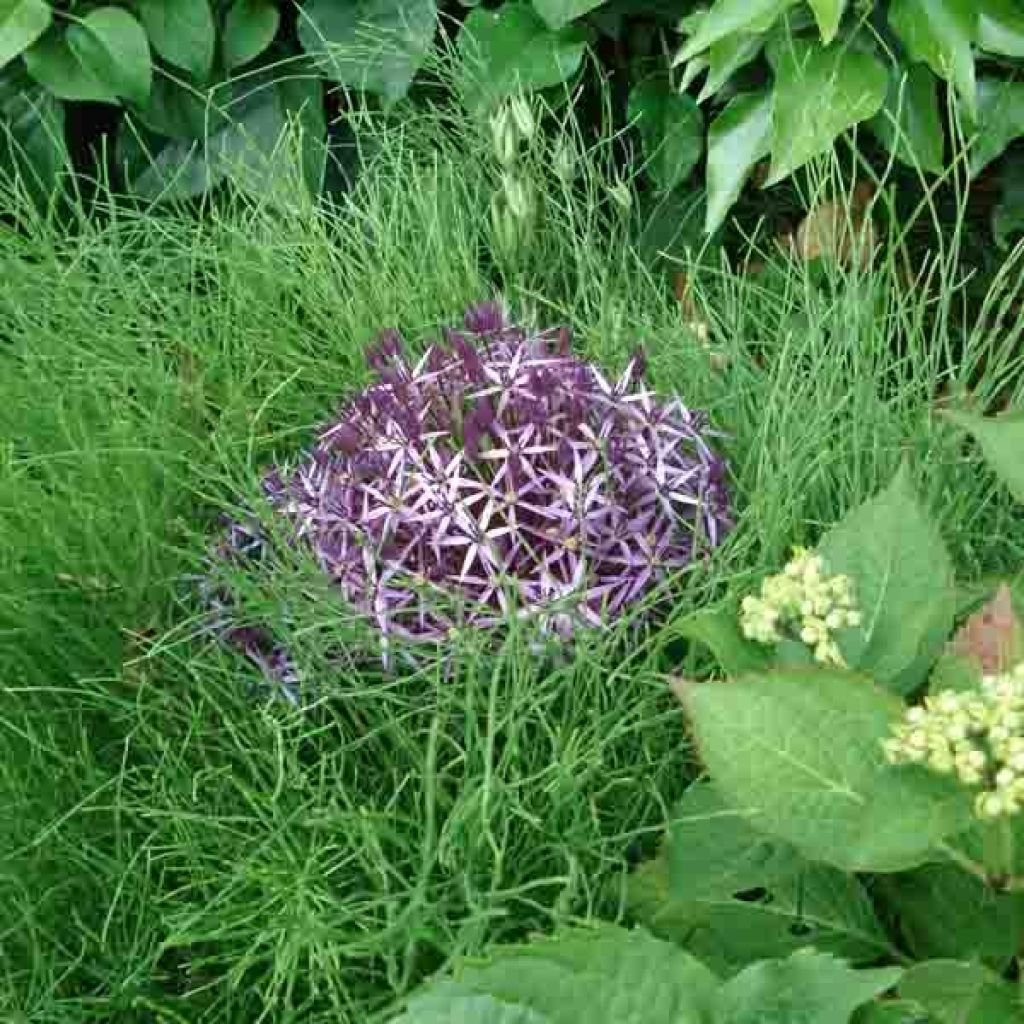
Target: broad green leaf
(891,1011)
(820,93)
(715,851)
(559,13)
(1001,440)
(1001,27)
(1000,120)
(809,987)
(182,32)
(903,580)
(940,33)
(112,46)
(22,22)
(53,64)
(176,111)
(718,629)
(802,752)
(729,16)
(245,146)
(828,14)
(909,124)
(725,58)
(448,1004)
(1008,215)
(374,45)
(249,28)
(946,913)
(671,229)
(737,139)
(603,976)
(818,906)
(510,48)
(954,672)
(954,992)
(32,149)
(672,129)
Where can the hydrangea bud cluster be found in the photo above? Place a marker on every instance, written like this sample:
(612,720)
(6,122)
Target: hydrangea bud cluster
(802,603)
(977,736)
(498,475)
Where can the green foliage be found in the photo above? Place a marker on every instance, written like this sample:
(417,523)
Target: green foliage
(903,579)
(249,28)
(1001,440)
(802,750)
(619,977)
(952,992)
(672,129)
(22,22)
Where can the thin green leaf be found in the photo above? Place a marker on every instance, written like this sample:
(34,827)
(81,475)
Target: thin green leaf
(182,32)
(22,22)
(738,138)
(249,28)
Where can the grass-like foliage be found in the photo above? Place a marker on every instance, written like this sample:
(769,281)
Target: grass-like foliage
(172,845)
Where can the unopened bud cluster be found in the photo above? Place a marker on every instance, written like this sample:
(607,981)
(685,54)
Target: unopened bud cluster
(514,205)
(801,602)
(977,736)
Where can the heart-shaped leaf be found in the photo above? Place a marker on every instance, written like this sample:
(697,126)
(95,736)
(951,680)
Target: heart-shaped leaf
(22,22)
(32,149)
(1000,120)
(1008,214)
(903,581)
(374,45)
(909,124)
(737,139)
(801,751)
(1001,439)
(559,13)
(945,912)
(819,94)
(828,14)
(954,992)
(249,28)
(729,16)
(112,47)
(53,64)
(182,32)
(940,34)
(510,48)
(604,975)
(672,128)
(810,987)
(1001,27)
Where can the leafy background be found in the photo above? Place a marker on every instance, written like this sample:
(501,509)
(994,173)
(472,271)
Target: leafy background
(168,98)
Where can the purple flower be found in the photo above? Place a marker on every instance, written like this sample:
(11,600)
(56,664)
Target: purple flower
(498,476)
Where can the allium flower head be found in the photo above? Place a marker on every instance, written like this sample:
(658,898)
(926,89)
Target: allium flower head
(978,737)
(498,475)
